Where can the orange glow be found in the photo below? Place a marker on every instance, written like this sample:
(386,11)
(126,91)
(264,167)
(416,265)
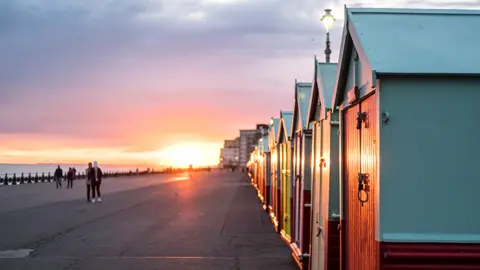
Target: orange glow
(28,150)
(185,154)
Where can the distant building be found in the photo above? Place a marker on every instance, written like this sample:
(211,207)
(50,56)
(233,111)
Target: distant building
(229,154)
(248,141)
(229,157)
(232,143)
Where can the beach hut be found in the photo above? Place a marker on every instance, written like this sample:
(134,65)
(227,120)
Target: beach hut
(266,170)
(408,96)
(325,231)
(261,168)
(301,136)
(285,150)
(274,129)
(253,162)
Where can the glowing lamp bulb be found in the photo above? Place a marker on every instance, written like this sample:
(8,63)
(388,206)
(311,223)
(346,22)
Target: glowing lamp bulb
(328,19)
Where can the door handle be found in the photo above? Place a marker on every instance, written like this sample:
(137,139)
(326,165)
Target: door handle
(319,231)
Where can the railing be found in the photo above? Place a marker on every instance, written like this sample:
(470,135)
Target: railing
(32,178)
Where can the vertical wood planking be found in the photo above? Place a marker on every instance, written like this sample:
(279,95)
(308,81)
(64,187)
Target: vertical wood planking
(353,225)
(369,251)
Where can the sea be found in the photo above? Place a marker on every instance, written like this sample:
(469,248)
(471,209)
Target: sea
(46,168)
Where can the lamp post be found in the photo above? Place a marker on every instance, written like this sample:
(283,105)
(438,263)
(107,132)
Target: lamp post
(328,20)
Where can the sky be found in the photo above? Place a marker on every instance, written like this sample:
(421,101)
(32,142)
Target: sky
(162,82)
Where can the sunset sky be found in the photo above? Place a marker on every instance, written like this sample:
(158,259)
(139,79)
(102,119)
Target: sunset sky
(154,81)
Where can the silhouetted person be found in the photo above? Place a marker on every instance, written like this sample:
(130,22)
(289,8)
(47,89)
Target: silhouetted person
(95,174)
(70,178)
(190,171)
(58,175)
(88,182)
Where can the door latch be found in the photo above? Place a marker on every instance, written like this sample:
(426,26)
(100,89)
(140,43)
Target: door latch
(363,187)
(319,231)
(323,163)
(361,118)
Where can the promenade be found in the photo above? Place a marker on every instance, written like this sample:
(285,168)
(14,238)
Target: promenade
(213,221)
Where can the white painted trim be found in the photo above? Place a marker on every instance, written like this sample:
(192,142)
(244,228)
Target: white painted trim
(340,166)
(378,203)
(335,216)
(334,123)
(430,237)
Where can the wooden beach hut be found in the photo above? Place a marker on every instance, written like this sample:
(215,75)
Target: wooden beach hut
(274,129)
(407,89)
(285,149)
(301,135)
(266,170)
(325,229)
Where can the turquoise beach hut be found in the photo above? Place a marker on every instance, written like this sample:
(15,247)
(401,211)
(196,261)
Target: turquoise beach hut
(285,149)
(301,136)
(407,92)
(325,233)
(274,129)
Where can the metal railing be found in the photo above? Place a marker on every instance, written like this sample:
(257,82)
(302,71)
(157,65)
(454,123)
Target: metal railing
(32,178)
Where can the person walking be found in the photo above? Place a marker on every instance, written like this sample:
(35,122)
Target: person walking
(74,173)
(95,175)
(190,171)
(98,181)
(88,181)
(70,178)
(58,175)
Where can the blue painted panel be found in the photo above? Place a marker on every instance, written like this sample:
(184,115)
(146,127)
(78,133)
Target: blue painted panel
(306,163)
(325,80)
(331,147)
(429,153)
(358,74)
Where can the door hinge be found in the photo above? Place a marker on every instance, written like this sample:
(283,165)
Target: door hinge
(361,118)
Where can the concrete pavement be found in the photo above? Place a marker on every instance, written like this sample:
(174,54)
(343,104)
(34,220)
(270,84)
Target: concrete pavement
(213,221)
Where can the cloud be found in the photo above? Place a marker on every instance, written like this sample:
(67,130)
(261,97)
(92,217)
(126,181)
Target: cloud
(140,74)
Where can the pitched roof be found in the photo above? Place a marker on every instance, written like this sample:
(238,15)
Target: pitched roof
(287,118)
(286,123)
(275,127)
(326,75)
(419,41)
(412,41)
(265,144)
(324,78)
(302,97)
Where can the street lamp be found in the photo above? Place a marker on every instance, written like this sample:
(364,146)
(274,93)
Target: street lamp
(328,20)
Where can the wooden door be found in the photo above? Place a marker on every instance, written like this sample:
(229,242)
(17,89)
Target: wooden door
(297,188)
(287,191)
(280,190)
(360,250)
(274,187)
(369,166)
(284,188)
(294,174)
(317,228)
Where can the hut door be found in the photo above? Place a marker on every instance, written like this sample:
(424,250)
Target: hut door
(318,224)
(288,193)
(286,189)
(298,188)
(359,127)
(369,166)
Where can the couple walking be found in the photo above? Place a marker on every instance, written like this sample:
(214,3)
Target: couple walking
(94,181)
